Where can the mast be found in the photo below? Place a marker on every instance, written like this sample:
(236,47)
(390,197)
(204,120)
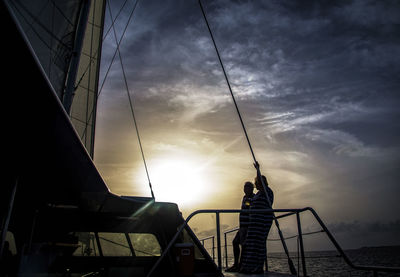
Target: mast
(74,64)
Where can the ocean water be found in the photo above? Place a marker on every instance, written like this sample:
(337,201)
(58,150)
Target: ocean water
(329,263)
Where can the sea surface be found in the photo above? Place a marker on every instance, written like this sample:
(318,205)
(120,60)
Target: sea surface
(329,263)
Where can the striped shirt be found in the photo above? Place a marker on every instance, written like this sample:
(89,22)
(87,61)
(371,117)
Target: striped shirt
(255,251)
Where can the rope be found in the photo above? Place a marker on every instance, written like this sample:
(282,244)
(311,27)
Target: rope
(256,164)
(131,103)
(227,81)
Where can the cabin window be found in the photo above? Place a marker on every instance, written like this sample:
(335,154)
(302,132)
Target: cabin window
(145,244)
(87,245)
(114,244)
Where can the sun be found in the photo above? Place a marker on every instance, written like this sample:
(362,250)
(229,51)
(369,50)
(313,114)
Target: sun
(179,181)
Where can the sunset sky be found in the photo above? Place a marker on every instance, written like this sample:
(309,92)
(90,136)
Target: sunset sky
(318,85)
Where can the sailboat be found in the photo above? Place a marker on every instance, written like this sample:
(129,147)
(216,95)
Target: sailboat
(58,216)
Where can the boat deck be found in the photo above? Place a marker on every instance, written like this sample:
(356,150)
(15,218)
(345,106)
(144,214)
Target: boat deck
(266,274)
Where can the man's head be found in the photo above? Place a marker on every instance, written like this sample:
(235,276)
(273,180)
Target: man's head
(258,182)
(248,188)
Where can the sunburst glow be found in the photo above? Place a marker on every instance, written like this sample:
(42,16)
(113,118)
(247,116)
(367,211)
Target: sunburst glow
(179,181)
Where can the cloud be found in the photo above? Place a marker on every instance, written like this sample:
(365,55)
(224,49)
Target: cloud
(195,105)
(316,82)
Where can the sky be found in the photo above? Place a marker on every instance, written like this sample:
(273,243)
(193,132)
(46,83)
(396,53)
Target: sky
(317,84)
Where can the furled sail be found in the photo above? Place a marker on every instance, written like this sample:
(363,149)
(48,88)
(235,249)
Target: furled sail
(83,109)
(52,28)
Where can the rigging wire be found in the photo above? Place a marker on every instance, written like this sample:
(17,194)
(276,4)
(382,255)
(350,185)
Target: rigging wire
(131,105)
(256,164)
(20,8)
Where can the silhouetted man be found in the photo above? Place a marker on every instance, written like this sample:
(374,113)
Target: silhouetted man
(243,225)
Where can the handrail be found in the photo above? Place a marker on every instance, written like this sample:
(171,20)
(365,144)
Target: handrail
(275,239)
(289,212)
(213,244)
(207,238)
(285,238)
(343,254)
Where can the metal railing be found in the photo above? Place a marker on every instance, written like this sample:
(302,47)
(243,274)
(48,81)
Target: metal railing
(213,244)
(288,212)
(226,244)
(271,240)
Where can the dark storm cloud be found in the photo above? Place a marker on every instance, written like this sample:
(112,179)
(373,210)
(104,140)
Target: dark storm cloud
(161,38)
(362,228)
(317,83)
(282,51)
(373,233)
(325,73)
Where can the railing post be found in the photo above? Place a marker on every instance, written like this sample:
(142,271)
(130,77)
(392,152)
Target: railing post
(303,260)
(226,251)
(218,241)
(298,252)
(213,248)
